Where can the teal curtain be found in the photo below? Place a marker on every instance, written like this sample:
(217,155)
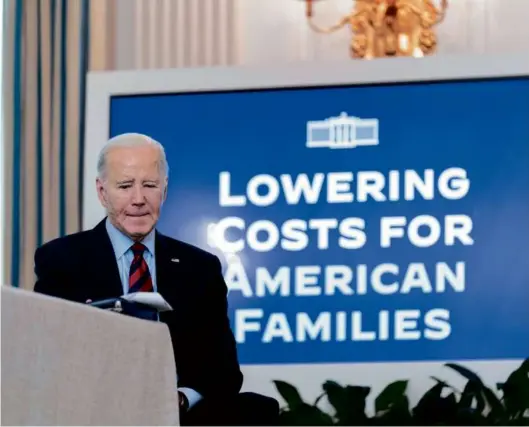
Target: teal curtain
(45,64)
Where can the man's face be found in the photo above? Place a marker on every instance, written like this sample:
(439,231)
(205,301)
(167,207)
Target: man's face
(133,189)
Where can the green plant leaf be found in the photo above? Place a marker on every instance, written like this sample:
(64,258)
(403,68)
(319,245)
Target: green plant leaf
(465,372)
(428,405)
(392,406)
(520,421)
(445,384)
(450,410)
(356,413)
(497,410)
(335,395)
(321,396)
(434,409)
(484,397)
(472,394)
(289,393)
(476,396)
(398,415)
(305,415)
(451,400)
(516,392)
(348,402)
(357,396)
(390,395)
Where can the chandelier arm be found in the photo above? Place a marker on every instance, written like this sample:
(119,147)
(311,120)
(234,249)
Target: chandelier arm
(442,12)
(439,13)
(328,30)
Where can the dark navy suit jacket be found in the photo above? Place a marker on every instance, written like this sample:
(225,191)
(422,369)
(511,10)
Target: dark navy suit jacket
(83,266)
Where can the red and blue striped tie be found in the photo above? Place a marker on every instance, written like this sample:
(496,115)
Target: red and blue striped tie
(140,279)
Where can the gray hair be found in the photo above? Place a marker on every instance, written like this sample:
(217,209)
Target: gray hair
(130,140)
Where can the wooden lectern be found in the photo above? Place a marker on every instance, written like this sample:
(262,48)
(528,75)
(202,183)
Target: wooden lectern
(70,364)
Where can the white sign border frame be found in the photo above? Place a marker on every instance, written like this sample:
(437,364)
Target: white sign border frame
(102,86)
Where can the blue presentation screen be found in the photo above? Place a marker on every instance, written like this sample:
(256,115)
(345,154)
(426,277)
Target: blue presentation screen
(361,223)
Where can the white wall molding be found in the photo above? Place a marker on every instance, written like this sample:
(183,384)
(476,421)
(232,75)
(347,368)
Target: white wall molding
(150,34)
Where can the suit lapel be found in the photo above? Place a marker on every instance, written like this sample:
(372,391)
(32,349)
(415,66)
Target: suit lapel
(108,281)
(168,269)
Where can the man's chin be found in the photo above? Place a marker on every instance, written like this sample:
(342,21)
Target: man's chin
(139,228)
(138,233)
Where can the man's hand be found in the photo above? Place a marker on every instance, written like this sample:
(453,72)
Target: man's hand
(183,403)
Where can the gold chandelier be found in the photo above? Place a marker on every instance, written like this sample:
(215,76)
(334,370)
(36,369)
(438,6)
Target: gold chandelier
(382,28)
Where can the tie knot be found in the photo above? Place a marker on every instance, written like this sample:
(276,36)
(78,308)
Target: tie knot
(138,249)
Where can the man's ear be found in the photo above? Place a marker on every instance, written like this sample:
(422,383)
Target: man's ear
(101,192)
(166,183)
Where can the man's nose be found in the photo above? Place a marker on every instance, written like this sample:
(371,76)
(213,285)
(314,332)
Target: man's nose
(137,196)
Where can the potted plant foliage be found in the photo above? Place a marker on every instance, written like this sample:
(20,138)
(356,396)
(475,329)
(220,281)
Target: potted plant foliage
(441,405)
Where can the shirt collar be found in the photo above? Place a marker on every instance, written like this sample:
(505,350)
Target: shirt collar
(122,243)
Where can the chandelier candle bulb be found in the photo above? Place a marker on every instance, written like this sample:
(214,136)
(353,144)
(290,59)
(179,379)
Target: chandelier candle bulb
(309,8)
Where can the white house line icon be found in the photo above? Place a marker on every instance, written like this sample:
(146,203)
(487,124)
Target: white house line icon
(342,132)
